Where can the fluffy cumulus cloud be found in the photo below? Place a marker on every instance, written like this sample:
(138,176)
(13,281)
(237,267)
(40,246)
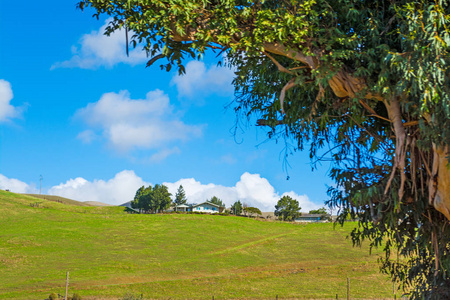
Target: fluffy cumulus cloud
(96,49)
(116,191)
(251,189)
(149,123)
(15,185)
(202,80)
(7,111)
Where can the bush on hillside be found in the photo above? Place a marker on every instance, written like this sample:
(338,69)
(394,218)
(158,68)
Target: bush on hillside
(76,297)
(53,296)
(129,296)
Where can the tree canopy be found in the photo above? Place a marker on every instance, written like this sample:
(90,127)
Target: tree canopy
(363,84)
(180,196)
(152,199)
(217,201)
(287,209)
(252,210)
(320,211)
(236,208)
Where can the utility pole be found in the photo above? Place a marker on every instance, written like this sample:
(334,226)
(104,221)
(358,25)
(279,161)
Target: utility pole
(40,186)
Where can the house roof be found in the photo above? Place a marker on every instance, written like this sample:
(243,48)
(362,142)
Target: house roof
(182,205)
(206,202)
(311,216)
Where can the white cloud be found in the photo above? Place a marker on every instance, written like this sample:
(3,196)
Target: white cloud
(86,136)
(251,189)
(96,49)
(7,111)
(117,190)
(149,123)
(15,185)
(200,80)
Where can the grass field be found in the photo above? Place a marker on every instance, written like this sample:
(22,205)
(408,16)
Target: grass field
(110,253)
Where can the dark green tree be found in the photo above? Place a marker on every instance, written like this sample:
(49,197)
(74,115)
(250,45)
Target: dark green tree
(142,199)
(160,198)
(287,209)
(180,196)
(236,208)
(217,201)
(320,211)
(152,199)
(363,84)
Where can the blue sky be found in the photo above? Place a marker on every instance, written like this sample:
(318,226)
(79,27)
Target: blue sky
(97,124)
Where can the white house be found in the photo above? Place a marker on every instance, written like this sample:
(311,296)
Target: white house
(206,207)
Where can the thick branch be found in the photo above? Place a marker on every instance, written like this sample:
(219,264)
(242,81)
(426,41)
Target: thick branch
(395,115)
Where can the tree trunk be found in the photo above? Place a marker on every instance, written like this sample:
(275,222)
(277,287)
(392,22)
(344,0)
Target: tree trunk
(439,184)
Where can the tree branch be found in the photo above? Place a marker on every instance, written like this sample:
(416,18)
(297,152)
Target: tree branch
(288,86)
(279,66)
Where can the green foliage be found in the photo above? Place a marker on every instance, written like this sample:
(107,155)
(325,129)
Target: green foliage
(320,211)
(236,208)
(152,199)
(180,196)
(217,201)
(252,210)
(362,84)
(287,209)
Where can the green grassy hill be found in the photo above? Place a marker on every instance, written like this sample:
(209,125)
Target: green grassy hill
(59,199)
(110,253)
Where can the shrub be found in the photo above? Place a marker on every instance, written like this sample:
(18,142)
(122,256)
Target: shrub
(129,296)
(53,296)
(76,297)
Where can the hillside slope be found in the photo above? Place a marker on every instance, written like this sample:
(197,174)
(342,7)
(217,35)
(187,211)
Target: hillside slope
(67,201)
(110,253)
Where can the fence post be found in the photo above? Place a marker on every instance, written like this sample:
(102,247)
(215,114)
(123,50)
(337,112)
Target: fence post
(348,289)
(67,285)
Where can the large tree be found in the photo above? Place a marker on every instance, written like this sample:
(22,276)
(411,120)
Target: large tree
(236,208)
(364,84)
(152,199)
(160,198)
(287,209)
